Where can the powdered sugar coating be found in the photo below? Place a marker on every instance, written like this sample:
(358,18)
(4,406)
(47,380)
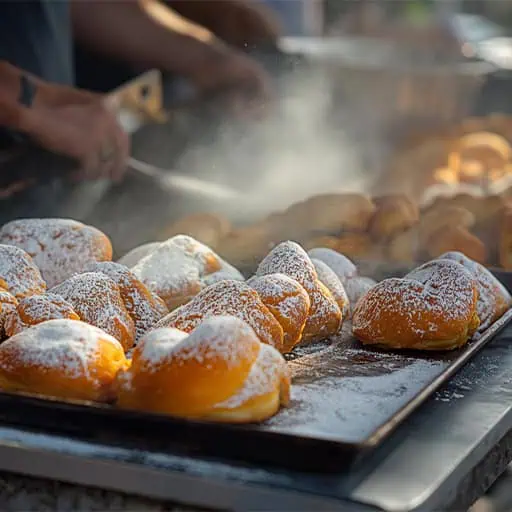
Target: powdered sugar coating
(70,346)
(291,259)
(59,247)
(265,376)
(331,280)
(36,309)
(338,263)
(20,272)
(145,307)
(216,338)
(131,258)
(357,287)
(435,302)
(227,298)
(492,295)
(97,300)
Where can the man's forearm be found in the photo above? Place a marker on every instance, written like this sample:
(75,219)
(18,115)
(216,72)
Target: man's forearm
(144,33)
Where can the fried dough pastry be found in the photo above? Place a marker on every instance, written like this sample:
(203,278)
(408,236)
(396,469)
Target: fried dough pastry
(97,300)
(131,258)
(404,247)
(289,258)
(8,305)
(207,228)
(329,213)
(227,298)
(176,270)
(456,238)
(36,309)
(357,287)
(340,264)
(288,301)
(433,308)
(333,284)
(442,217)
(505,239)
(220,371)
(59,247)
(66,359)
(19,272)
(145,307)
(493,297)
(395,214)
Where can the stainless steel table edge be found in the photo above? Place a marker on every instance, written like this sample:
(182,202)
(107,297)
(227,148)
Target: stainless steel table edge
(24,453)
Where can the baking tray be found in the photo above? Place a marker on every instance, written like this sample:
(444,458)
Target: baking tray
(346,400)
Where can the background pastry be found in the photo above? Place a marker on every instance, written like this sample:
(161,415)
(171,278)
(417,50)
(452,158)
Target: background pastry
(340,264)
(19,272)
(228,298)
(131,258)
(145,307)
(357,287)
(207,228)
(59,247)
(505,239)
(333,284)
(62,358)
(289,258)
(395,213)
(456,238)
(36,309)
(432,308)
(97,300)
(288,301)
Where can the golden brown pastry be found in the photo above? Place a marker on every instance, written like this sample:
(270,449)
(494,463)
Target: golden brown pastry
(505,239)
(19,272)
(145,307)
(327,276)
(288,301)
(231,298)
(441,217)
(176,270)
(8,305)
(207,228)
(59,247)
(395,214)
(220,371)
(338,263)
(97,300)
(455,238)
(289,258)
(36,309)
(433,308)
(493,298)
(329,214)
(404,247)
(66,359)
(131,258)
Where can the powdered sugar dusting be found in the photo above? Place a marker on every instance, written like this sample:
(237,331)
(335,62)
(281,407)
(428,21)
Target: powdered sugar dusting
(265,375)
(233,298)
(59,247)
(340,264)
(69,345)
(331,280)
(145,307)
(357,287)
(20,273)
(490,290)
(97,300)
(131,258)
(215,338)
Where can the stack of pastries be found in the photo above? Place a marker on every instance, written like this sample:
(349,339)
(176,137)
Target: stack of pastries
(390,228)
(173,328)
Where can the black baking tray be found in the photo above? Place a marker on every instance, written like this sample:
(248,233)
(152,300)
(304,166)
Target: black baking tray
(346,400)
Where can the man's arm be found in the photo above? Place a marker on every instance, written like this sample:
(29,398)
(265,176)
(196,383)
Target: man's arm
(148,34)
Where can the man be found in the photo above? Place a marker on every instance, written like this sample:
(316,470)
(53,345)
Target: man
(37,97)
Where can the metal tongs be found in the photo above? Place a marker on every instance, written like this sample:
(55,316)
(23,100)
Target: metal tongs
(141,102)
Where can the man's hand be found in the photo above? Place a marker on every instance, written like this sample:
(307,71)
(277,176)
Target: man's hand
(77,124)
(241,23)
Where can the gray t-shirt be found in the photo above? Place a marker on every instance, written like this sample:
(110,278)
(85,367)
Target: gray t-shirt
(35,35)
